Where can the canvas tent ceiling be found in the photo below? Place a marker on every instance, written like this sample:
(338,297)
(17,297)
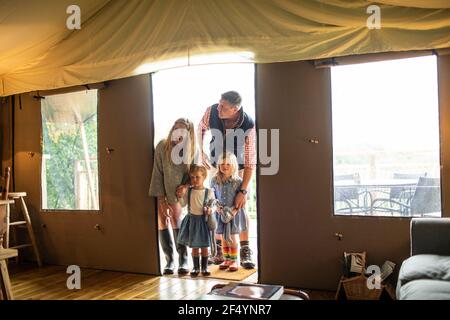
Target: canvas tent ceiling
(121,38)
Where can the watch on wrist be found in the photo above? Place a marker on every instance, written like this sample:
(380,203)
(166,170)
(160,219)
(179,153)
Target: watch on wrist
(243,191)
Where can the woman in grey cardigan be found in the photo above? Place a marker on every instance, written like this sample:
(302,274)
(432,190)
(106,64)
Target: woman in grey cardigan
(172,160)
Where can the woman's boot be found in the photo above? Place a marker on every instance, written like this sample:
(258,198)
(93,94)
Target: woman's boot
(183,267)
(218,258)
(205,271)
(167,245)
(196,270)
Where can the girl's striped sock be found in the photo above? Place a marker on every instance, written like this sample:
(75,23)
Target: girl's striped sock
(226,251)
(233,253)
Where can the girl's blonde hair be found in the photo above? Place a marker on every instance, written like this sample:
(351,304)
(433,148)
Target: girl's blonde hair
(190,146)
(195,168)
(230,158)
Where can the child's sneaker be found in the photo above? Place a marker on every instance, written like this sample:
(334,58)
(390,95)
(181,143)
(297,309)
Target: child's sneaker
(224,265)
(233,266)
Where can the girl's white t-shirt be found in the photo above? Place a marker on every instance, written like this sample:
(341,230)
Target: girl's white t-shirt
(197,200)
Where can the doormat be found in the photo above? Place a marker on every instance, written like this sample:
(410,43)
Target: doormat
(239,275)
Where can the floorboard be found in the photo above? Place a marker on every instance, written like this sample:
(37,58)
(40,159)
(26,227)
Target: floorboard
(50,283)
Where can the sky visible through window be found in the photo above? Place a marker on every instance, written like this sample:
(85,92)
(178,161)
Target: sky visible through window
(391,105)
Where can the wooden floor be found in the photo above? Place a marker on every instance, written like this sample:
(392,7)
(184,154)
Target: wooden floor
(49,283)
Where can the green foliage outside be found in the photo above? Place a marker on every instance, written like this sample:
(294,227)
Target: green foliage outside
(64,147)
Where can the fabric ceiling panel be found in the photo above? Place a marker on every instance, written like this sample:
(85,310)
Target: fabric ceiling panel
(121,38)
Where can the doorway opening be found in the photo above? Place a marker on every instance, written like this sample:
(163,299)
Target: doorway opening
(186,93)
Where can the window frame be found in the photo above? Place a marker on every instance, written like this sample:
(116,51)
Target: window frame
(379,57)
(96,87)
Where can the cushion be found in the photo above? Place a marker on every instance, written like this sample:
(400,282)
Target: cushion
(425,290)
(425,266)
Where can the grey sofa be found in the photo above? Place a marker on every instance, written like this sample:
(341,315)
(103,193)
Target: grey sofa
(425,275)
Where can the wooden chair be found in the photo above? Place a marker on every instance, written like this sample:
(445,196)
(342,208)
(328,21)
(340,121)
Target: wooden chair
(5,283)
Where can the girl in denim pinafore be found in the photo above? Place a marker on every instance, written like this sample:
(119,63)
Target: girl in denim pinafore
(194,231)
(230,221)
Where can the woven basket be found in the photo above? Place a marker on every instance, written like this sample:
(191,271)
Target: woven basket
(356,289)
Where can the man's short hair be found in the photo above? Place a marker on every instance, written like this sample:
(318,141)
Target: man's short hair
(233,98)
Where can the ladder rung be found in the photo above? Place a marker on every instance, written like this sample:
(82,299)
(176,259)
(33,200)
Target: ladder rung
(22,246)
(17,223)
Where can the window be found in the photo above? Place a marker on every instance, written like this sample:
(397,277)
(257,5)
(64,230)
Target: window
(386,138)
(69,178)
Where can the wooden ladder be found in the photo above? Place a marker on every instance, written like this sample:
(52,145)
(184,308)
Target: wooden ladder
(9,198)
(19,196)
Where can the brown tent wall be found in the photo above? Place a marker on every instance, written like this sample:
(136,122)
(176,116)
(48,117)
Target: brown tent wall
(297,246)
(127,239)
(297,241)
(6,118)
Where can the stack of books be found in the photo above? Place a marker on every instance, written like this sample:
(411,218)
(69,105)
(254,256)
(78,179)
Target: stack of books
(387,269)
(354,264)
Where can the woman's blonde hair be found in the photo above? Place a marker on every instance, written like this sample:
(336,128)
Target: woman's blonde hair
(190,145)
(230,158)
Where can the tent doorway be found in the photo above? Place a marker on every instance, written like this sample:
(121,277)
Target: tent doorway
(186,93)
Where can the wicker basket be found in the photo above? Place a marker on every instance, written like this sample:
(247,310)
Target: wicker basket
(355,288)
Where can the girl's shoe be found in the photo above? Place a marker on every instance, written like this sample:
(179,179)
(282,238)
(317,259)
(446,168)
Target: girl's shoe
(233,266)
(224,265)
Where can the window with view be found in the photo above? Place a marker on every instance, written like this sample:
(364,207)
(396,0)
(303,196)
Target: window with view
(69,178)
(386,138)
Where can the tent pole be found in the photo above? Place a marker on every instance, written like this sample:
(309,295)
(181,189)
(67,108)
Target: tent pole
(86,157)
(88,165)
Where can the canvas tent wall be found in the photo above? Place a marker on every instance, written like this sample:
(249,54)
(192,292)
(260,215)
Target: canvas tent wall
(117,37)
